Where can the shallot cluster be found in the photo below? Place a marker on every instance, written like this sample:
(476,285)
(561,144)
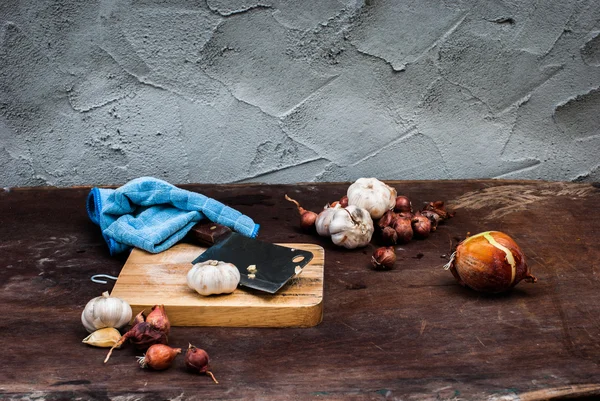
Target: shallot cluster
(150,333)
(402,224)
(371,204)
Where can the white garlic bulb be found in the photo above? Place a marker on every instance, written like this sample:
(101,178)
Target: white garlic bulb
(324,219)
(105,311)
(351,227)
(373,195)
(213,277)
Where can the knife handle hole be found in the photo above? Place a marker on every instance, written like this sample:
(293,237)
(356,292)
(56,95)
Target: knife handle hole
(298,259)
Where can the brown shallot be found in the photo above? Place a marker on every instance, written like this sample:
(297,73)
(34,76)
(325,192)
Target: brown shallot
(421,226)
(158,357)
(387,220)
(197,359)
(384,258)
(145,333)
(389,236)
(158,319)
(404,230)
(403,204)
(344,201)
(433,217)
(307,218)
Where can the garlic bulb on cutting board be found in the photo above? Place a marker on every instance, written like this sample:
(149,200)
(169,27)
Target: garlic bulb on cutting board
(213,277)
(105,311)
(373,195)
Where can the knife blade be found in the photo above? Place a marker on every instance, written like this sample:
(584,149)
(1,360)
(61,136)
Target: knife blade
(262,265)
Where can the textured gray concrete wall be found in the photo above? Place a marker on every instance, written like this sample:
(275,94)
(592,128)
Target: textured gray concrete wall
(99,92)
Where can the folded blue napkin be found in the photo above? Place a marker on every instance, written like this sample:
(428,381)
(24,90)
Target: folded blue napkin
(154,215)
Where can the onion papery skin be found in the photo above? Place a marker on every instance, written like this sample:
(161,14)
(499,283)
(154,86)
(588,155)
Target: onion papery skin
(490,262)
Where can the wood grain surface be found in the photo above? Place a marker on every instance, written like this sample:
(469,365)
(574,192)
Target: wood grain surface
(411,333)
(149,279)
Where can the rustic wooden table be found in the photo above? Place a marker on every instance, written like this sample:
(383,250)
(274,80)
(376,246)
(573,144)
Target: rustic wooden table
(411,333)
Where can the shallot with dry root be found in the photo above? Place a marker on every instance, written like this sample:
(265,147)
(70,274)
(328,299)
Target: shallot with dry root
(307,218)
(146,331)
(197,359)
(158,357)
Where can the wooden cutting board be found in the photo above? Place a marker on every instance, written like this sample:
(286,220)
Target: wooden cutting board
(150,279)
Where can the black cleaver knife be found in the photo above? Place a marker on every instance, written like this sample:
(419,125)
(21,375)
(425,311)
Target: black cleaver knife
(262,265)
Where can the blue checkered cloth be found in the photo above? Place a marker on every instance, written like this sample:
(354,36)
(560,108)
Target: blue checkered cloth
(154,215)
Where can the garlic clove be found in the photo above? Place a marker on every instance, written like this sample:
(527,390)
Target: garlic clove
(105,338)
